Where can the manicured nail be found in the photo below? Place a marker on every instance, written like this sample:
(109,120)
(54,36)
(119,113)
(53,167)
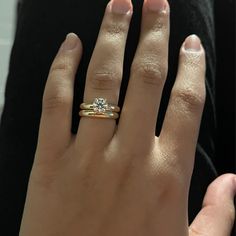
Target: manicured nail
(192,43)
(121,6)
(157,5)
(70,42)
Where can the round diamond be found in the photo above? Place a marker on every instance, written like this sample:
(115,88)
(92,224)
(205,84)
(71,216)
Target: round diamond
(100,105)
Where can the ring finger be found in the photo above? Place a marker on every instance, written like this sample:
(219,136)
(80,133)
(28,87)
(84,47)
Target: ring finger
(105,70)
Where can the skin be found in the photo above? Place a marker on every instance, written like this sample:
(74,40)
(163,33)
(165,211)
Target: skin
(121,179)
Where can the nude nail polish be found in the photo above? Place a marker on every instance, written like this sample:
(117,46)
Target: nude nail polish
(121,6)
(192,43)
(157,5)
(70,43)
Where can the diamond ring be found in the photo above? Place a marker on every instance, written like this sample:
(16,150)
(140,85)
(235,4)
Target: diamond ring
(100,108)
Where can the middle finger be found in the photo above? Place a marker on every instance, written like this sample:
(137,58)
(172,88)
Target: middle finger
(106,69)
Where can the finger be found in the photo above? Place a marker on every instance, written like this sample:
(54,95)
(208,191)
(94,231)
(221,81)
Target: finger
(55,127)
(182,120)
(105,70)
(148,75)
(218,213)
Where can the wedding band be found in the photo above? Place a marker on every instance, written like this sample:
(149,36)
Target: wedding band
(99,105)
(105,115)
(100,108)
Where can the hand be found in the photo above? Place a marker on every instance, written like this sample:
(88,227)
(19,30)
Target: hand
(121,180)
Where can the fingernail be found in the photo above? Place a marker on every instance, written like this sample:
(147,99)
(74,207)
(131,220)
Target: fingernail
(192,44)
(157,5)
(121,6)
(71,42)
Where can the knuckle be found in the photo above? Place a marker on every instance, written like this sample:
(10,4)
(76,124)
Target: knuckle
(166,175)
(55,100)
(161,23)
(115,29)
(189,98)
(61,65)
(171,173)
(105,80)
(150,72)
(158,26)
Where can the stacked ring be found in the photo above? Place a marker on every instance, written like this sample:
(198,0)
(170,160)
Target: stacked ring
(99,109)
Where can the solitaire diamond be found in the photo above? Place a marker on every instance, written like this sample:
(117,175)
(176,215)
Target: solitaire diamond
(100,105)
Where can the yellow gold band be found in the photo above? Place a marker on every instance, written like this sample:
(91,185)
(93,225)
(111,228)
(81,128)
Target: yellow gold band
(93,114)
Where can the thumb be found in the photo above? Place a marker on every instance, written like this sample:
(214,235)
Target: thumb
(218,213)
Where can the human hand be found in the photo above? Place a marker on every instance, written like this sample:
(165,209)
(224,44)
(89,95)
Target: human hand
(122,180)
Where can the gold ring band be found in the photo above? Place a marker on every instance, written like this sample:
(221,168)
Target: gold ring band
(93,114)
(89,106)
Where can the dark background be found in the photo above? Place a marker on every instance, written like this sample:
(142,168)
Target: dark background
(225,85)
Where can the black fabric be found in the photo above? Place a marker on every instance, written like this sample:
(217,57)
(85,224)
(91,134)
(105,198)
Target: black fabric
(225,85)
(42,26)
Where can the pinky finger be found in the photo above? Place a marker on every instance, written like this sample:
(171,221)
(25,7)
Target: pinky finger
(218,214)
(182,120)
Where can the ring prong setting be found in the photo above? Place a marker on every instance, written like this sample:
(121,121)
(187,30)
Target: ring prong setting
(100,105)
